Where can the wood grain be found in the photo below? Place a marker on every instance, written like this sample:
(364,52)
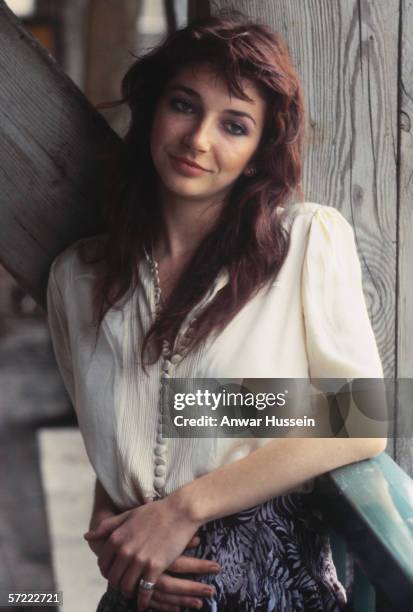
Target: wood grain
(404,450)
(50,158)
(346,53)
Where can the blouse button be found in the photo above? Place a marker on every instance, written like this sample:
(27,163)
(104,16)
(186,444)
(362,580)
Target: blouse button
(166,365)
(159,461)
(165,375)
(176,358)
(160,450)
(160,439)
(159,482)
(160,470)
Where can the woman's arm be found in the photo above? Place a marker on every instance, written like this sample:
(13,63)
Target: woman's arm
(103,506)
(146,540)
(275,469)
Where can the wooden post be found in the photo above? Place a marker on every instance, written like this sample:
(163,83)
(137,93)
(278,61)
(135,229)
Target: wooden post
(404,450)
(50,158)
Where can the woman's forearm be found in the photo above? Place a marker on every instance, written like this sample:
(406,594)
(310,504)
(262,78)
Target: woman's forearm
(102,506)
(273,470)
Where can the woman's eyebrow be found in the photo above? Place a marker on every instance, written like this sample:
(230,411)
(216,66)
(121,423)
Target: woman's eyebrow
(192,92)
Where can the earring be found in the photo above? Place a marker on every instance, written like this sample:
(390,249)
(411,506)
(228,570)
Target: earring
(250,171)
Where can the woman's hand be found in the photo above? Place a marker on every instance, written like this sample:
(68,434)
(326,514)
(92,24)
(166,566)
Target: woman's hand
(142,543)
(96,546)
(96,518)
(172,593)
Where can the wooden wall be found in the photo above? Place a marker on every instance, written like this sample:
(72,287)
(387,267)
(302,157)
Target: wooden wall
(354,58)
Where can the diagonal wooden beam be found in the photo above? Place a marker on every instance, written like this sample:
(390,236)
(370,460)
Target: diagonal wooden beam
(51,158)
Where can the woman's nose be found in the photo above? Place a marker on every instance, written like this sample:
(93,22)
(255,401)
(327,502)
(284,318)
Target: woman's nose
(198,136)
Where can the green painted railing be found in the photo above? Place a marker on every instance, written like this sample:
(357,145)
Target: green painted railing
(370,506)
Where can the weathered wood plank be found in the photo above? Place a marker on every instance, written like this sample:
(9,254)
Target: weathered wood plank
(346,53)
(50,158)
(404,450)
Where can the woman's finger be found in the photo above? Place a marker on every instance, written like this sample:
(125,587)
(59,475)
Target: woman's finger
(131,578)
(144,596)
(106,527)
(116,572)
(181,586)
(106,557)
(165,607)
(192,565)
(194,542)
(96,546)
(176,600)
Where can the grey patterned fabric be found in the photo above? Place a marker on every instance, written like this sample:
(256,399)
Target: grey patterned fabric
(275,557)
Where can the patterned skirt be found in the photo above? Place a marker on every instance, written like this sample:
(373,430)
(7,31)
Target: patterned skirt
(275,557)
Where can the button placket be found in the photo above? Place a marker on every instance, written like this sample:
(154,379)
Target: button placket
(161,448)
(170,357)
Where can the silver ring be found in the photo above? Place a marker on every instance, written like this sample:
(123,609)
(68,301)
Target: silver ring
(145,584)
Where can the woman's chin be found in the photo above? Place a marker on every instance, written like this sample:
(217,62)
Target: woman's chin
(186,189)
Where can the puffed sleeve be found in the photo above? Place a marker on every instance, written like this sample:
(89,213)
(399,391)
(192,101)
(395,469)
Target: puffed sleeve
(340,340)
(59,332)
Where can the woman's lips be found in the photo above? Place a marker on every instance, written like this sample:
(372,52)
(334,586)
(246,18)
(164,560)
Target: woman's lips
(186,168)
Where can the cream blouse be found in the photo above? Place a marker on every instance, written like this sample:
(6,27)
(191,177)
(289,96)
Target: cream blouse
(311,321)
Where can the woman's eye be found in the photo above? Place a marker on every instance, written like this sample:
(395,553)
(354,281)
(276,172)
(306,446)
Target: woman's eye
(236,129)
(181,105)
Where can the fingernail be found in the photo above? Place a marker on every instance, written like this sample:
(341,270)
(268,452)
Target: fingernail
(215,567)
(198,603)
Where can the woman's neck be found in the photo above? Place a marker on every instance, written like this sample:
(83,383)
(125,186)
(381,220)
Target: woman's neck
(184,225)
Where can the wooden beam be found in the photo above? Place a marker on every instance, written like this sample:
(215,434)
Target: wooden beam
(50,159)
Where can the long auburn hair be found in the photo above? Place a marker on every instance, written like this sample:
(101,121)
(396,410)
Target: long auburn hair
(248,239)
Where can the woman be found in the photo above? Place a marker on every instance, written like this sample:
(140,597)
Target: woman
(207,271)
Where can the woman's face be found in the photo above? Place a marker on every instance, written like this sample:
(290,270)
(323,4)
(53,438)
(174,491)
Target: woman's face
(202,138)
